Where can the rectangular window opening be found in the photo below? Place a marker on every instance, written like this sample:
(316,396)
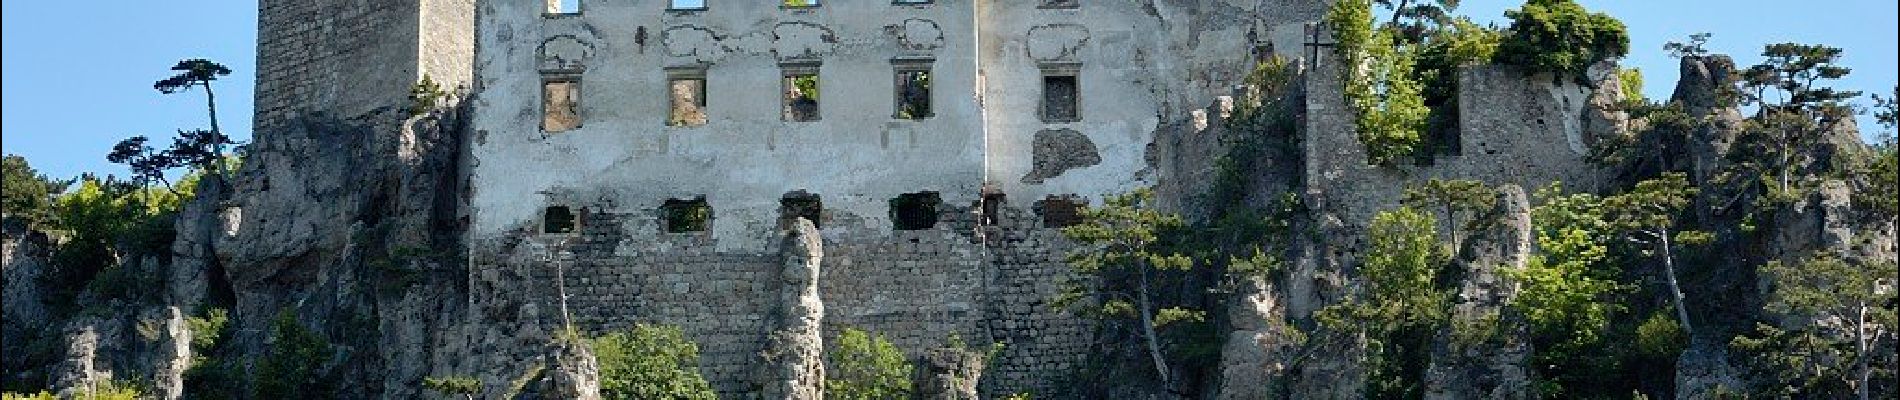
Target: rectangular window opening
(1061,93)
(688,91)
(799,204)
(686,5)
(1059,211)
(559,219)
(993,208)
(915,211)
(683,216)
(801,92)
(560,104)
(800,3)
(564,7)
(913,90)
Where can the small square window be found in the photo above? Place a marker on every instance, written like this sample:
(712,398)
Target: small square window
(559,219)
(913,90)
(1060,212)
(687,89)
(801,92)
(1060,95)
(915,211)
(682,216)
(560,104)
(800,204)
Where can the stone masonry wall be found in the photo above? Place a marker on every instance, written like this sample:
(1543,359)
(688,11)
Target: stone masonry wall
(917,288)
(305,47)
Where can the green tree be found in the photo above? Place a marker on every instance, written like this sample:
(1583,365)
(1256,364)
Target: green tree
(1560,36)
(865,366)
(1880,194)
(1456,202)
(1564,290)
(295,364)
(201,148)
(1646,215)
(1835,302)
(1693,48)
(1387,101)
(1632,84)
(1402,306)
(1119,239)
(1796,109)
(28,195)
(650,362)
(1413,19)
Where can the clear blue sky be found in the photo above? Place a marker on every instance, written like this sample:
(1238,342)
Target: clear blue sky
(78,74)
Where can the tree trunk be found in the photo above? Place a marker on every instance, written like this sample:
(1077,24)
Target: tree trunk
(217,147)
(1148,329)
(1860,351)
(1669,268)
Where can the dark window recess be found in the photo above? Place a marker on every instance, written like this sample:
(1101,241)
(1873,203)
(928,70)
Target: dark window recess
(558,219)
(1059,212)
(915,211)
(913,94)
(682,216)
(799,204)
(1060,4)
(1059,98)
(993,208)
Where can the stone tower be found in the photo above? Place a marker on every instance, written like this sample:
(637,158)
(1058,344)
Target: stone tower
(354,59)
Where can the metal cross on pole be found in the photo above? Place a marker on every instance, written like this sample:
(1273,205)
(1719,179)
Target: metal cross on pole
(1316,37)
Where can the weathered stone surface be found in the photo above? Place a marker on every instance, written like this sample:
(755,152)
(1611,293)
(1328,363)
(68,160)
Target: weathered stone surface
(1484,352)
(950,374)
(794,356)
(1060,150)
(1706,91)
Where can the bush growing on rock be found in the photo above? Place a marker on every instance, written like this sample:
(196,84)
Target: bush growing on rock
(650,362)
(865,366)
(1560,36)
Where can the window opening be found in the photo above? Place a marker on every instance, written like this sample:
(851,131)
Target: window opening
(560,104)
(564,6)
(800,204)
(686,5)
(1060,212)
(1061,93)
(682,215)
(801,92)
(913,90)
(558,219)
(915,211)
(688,90)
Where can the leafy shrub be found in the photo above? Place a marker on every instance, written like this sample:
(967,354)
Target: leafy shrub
(650,362)
(295,364)
(863,366)
(1387,101)
(1660,338)
(1562,37)
(468,387)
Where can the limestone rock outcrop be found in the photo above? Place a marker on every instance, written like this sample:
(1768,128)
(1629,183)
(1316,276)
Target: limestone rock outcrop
(794,356)
(1484,353)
